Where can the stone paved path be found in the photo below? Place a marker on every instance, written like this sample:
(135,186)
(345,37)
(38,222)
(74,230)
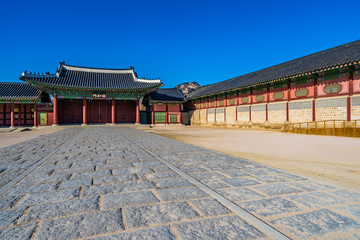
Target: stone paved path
(122,183)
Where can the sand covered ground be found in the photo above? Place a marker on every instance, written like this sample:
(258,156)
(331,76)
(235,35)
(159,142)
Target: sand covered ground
(13,136)
(331,159)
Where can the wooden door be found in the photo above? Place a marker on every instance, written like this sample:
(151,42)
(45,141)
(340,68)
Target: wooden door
(125,111)
(70,111)
(104,112)
(42,118)
(99,111)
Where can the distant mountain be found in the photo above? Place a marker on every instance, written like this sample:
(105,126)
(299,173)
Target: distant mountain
(188,87)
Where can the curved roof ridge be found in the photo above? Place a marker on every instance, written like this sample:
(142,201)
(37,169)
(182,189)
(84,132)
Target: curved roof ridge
(92,69)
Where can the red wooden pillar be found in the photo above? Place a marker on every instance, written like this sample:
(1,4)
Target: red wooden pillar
(55,111)
(166,114)
(351,92)
(153,116)
(137,111)
(236,107)
(225,104)
(84,111)
(4,114)
(35,115)
(12,115)
(287,111)
(113,111)
(180,114)
(287,103)
(267,103)
(19,114)
(267,113)
(314,101)
(251,95)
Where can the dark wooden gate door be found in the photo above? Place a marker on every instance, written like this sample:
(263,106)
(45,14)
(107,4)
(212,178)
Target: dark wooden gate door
(125,111)
(70,111)
(104,112)
(99,111)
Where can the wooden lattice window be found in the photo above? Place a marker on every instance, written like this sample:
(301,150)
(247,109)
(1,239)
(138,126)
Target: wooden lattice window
(173,118)
(159,117)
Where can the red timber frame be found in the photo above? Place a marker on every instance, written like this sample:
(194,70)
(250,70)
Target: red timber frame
(17,114)
(170,110)
(85,111)
(315,85)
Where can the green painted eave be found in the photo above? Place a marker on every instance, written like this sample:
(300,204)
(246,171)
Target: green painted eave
(21,100)
(55,86)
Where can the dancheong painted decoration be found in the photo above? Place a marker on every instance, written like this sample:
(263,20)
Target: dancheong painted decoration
(318,87)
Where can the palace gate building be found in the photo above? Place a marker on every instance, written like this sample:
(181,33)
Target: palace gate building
(318,87)
(83,95)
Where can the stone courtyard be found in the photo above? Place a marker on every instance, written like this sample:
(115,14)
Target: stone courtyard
(116,182)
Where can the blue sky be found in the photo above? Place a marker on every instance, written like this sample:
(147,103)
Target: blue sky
(178,41)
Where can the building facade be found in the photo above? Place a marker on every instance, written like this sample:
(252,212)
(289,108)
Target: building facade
(319,87)
(20,103)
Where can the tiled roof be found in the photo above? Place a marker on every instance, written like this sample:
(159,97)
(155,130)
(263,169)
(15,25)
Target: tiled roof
(18,91)
(344,54)
(167,95)
(92,78)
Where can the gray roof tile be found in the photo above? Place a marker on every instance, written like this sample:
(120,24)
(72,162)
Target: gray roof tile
(347,53)
(92,78)
(167,94)
(18,91)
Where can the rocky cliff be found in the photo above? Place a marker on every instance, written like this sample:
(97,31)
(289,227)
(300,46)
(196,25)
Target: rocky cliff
(188,87)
